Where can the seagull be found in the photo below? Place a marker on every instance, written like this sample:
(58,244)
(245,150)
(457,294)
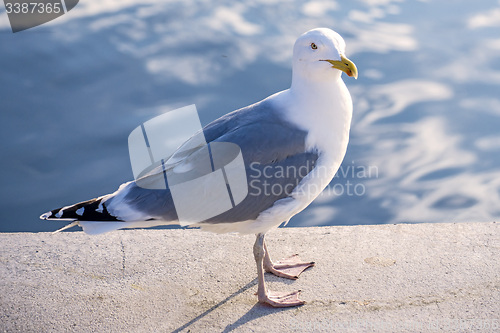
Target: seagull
(304,128)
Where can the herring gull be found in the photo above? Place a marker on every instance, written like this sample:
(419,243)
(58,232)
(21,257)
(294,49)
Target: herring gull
(305,127)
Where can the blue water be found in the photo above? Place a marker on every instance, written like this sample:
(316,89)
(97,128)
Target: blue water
(425,137)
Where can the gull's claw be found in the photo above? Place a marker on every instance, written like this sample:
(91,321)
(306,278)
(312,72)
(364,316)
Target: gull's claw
(281,299)
(289,268)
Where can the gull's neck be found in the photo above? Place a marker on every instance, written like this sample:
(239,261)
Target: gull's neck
(321,107)
(324,110)
(316,92)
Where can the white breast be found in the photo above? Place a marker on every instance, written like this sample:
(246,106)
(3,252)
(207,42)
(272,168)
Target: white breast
(325,112)
(326,117)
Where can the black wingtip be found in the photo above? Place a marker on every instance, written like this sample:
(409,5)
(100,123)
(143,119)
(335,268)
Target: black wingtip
(45,216)
(90,210)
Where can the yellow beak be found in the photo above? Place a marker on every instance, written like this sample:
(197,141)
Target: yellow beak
(345,65)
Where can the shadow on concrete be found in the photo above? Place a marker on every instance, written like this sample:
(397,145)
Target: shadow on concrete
(239,321)
(257,311)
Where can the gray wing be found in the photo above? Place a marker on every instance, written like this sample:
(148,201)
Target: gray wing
(274,156)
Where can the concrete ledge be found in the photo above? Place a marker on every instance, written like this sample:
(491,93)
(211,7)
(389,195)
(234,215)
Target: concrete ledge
(400,278)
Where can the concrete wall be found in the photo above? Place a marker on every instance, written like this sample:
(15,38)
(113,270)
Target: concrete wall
(385,278)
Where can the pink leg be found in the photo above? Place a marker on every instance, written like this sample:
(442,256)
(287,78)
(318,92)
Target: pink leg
(274,299)
(289,268)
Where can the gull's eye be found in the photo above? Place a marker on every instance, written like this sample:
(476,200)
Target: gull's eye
(313,46)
